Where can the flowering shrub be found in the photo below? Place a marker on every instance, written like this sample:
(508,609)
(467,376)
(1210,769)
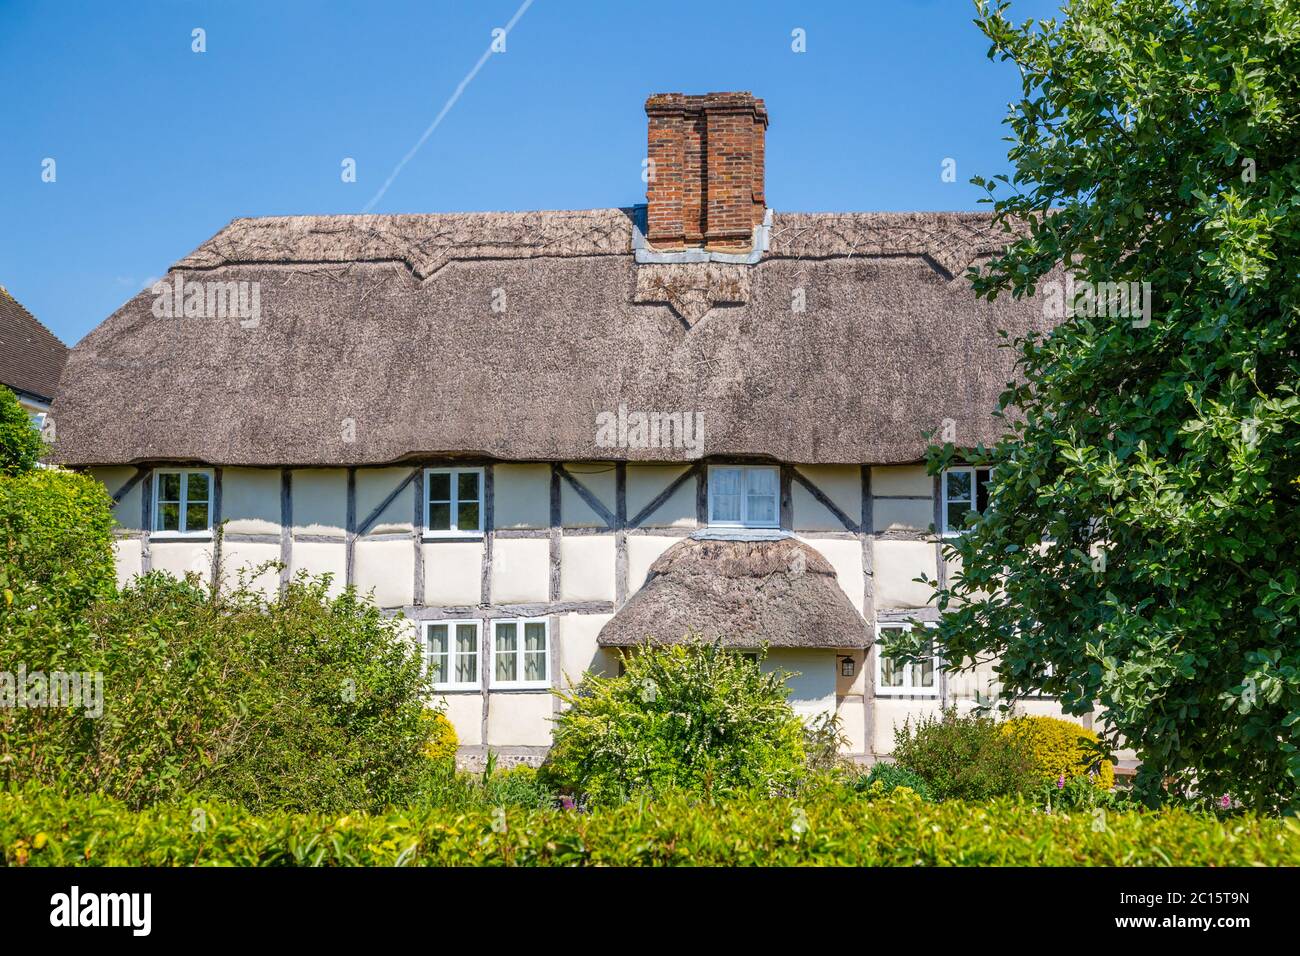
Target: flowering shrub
(1061,750)
(442,742)
(885,778)
(963,756)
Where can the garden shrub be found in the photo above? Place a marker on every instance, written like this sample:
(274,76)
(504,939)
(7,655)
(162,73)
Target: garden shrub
(963,757)
(884,778)
(21,445)
(449,789)
(443,742)
(691,716)
(38,828)
(298,700)
(1061,750)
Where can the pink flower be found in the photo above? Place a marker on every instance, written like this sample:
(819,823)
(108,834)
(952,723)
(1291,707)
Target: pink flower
(566,802)
(1060,782)
(1225,802)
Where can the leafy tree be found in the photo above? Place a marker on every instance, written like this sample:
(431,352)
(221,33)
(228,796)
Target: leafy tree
(20,444)
(1143,538)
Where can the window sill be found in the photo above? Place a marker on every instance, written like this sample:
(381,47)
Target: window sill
(457,689)
(908,693)
(452,536)
(180,536)
(533,686)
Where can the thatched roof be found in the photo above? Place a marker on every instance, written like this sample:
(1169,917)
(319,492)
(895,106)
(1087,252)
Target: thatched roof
(31,356)
(505,334)
(779,592)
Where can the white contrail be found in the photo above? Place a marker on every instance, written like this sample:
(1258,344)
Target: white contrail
(446,108)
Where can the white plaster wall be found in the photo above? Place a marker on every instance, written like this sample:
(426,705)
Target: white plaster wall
(901,514)
(521,570)
(318,558)
(373,486)
(127,554)
(245,557)
(250,500)
(841,483)
(845,556)
(853,724)
(126,512)
(597,477)
(388,567)
(453,573)
(644,482)
(465,711)
(522,496)
(891,712)
(320,501)
(643,551)
(178,558)
(520,719)
(901,480)
(579,651)
(587,568)
(895,564)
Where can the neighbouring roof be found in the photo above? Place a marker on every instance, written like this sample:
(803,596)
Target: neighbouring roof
(747,593)
(504,335)
(31,356)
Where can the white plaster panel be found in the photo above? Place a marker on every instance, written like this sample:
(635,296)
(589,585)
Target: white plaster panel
(579,651)
(179,558)
(587,568)
(895,564)
(376,484)
(852,712)
(521,496)
(465,711)
(645,482)
(453,573)
(320,501)
(127,511)
(246,557)
(845,556)
(127,554)
(250,500)
(388,567)
(521,570)
(901,480)
(901,514)
(599,478)
(642,551)
(520,719)
(320,558)
(811,680)
(842,484)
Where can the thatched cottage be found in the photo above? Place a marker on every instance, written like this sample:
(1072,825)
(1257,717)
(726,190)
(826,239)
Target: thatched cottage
(544,437)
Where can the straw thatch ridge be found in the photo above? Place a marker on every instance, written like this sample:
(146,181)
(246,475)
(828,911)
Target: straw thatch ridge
(782,593)
(505,335)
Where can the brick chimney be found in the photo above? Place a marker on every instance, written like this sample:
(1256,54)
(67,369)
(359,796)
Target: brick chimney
(706,170)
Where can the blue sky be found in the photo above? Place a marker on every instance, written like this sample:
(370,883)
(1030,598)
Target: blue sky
(157,147)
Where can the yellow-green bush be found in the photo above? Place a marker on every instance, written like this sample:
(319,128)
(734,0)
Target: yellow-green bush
(442,741)
(1058,748)
(38,828)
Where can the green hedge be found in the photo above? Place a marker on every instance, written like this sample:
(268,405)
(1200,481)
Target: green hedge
(37,828)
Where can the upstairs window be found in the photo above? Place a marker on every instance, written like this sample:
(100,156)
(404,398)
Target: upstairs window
(521,651)
(453,502)
(182,502)
(896,679)
(965,490)
(451,653)
(744,496)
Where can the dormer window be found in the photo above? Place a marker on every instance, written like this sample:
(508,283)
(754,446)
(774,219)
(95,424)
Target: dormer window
(744,496)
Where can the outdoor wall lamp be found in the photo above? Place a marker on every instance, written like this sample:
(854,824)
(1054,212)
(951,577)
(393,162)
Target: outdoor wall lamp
(846,666)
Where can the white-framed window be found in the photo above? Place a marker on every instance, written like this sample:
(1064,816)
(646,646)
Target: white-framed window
(964,490)
(182,502)
(895,679)
(451,654)
(453,502)
(745,496)
(521,652)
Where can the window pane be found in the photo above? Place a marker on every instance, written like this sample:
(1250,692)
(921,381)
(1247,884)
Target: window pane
(982,490)
(761,487)
(506,644)
(196,516)
(467,486)
(169,517)
(440,516)
(890,675)
(958,486)
(957,511)
(169,488)
(436,652)
(467,516)
(923,673)
(466,654)
(440,487)
(196,487)
(535,636)
(535,651)
(724,494)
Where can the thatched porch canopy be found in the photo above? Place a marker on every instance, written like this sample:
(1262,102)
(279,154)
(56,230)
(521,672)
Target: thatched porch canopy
(747,592)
